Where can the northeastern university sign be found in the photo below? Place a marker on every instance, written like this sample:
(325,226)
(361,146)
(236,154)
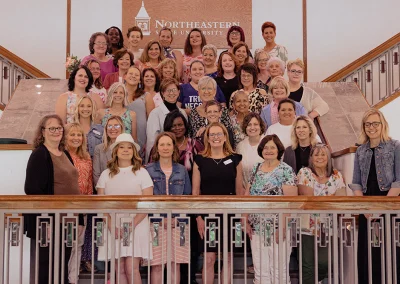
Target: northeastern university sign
(213,17)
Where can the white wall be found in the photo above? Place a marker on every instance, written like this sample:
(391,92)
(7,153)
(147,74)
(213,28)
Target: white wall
(391,112)
(339,31)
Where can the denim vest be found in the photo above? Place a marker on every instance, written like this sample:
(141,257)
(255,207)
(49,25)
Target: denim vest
(94,137)
(387,162)
(178,183)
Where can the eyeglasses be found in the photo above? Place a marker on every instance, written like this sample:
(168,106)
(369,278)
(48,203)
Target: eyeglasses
(209,90)
(247,76)
(115,126)
(235,33)
(100,43)
(212,112)
(53,129)
(212,135)
(171,91)
(298,72)
(263,60)
(374,124)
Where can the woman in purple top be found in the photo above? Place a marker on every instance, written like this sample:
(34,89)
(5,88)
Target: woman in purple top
(189,97)
(99,44)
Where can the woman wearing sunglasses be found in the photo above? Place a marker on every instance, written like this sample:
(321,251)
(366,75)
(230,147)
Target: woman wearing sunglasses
(102,153)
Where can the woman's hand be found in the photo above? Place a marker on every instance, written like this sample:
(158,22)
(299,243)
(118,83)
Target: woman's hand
(200,226)
(248,228)
(200,131)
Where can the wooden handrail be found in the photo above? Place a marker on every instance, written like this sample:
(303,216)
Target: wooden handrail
(387,100)
(79,202)
(363,59)
(22,63)
(349,150)
(16,147)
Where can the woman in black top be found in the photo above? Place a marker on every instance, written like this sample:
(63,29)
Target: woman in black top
(217,171)
(304,137)
(42,179)
(226,79)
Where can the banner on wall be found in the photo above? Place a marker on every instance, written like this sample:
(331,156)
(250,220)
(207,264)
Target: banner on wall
(214,18)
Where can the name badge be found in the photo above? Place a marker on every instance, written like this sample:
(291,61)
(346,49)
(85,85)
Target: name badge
(96,132)
(227,162)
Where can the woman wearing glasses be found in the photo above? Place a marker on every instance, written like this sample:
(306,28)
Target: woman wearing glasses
(50,171)
(198,116)
(169,90)
(99,45)
(263,76)
(311,101)
(102,152)
(217,171)
(376,173)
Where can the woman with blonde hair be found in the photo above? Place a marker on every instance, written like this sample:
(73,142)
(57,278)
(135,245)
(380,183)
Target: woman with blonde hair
(102,152)
(126,176)
(152,56)
(85,113)
(170,178)
(376,173)
(311,101)
(76,147)
(278,91)
(304,137)
(168,69)
(217,171)
(117,102)
(210,52)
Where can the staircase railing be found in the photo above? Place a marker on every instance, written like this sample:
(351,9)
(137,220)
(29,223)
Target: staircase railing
(13,69)
(377,73)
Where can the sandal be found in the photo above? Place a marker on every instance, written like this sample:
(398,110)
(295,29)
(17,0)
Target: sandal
(88,266)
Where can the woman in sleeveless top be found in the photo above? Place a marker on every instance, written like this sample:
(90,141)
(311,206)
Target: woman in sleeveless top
(139,102)
(117,100)
(79,84)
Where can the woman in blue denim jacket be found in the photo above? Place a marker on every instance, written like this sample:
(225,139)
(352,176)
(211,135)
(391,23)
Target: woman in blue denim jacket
(85,115)
(169,178)
(376,173)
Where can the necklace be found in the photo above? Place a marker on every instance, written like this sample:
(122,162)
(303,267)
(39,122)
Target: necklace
(220,160)
(184,138)
(304,148)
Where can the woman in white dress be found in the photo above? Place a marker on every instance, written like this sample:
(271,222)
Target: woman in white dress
(126,176)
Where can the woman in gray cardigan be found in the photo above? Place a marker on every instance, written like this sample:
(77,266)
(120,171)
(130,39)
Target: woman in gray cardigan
(304,137)
(102,152)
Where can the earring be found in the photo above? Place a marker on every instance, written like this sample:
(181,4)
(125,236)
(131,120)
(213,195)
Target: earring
(139,85)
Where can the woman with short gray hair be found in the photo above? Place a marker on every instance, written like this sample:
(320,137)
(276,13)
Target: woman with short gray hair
(198,116)
(209,52)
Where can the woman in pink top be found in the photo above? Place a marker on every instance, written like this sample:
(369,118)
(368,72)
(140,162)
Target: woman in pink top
(99,44)
(194,44)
